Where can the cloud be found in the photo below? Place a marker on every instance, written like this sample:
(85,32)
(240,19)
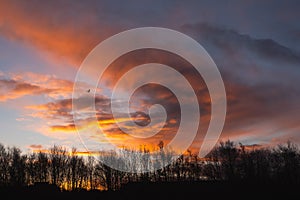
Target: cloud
(245,59)
(14,86)
(20,119)
(36,146)
(63,128)
(56,26)
(11,89)
(235,42)
(261,83)
(71,29)
(60,109)
(59,119)
(261,74)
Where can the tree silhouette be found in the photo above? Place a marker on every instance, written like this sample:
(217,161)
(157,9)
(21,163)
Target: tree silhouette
(17,167)
(42,167)
(58,163)
(228,161)
(4,166)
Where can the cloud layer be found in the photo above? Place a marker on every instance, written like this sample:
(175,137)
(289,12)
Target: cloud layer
(255,46)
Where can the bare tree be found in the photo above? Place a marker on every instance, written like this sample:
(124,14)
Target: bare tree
(58,163)
(90,164)
(43,167)
(31,170)
(4,166)
(17,167)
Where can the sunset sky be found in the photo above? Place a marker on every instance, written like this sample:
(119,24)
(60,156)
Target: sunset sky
(255,44)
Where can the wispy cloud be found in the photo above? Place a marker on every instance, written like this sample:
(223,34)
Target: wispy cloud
(13,86)
(12,89)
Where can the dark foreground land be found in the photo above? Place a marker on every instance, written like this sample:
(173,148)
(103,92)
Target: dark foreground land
(167,190)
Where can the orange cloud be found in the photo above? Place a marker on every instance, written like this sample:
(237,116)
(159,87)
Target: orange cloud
(172,121)
(11,89)
(63,128)
(53,110)
(60,31)
(20,85)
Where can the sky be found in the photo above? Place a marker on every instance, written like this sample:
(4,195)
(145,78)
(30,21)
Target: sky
(255,45)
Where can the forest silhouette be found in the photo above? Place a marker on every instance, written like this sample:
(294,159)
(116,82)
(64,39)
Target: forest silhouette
(229,167)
